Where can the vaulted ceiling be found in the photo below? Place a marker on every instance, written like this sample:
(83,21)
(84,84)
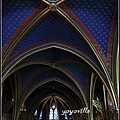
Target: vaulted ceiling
(67,41)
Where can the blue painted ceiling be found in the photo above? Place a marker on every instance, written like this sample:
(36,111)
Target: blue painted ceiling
(14,13)
(25,74)
(78,71)
(53,27)
(53,54)
(96,15)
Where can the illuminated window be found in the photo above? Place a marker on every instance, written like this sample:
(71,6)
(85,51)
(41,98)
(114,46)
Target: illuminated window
(40,116)
(35,114)
(53,113)
(66,117)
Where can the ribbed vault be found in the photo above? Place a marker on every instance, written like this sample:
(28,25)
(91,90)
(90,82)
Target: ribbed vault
(59,53)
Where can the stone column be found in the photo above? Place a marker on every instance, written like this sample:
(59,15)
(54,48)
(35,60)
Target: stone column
(45,113)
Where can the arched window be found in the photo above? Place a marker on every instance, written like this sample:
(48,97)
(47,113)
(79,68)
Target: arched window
(35,114)
(53,113)
(66,118)
(40,116)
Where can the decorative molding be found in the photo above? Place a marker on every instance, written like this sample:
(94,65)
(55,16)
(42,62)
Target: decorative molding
(7,105)
(21,31)
(66,48)
(53,4)
(53,7)
(111,40)
(96,52)
(22,26)
(43,46)
(26,94)
(81,28)
(98,105)
(92,90)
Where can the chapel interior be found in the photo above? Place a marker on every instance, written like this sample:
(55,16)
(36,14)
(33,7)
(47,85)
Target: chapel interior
(60,60)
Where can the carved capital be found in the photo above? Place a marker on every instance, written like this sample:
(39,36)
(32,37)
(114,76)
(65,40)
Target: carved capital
(97,105)
(53,7)
(53,4)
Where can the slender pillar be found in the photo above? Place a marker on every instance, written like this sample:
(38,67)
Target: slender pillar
(59,111)
(92,88)
(105,102)
(53,113)
(45,114)
(117,71)
(38,113)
